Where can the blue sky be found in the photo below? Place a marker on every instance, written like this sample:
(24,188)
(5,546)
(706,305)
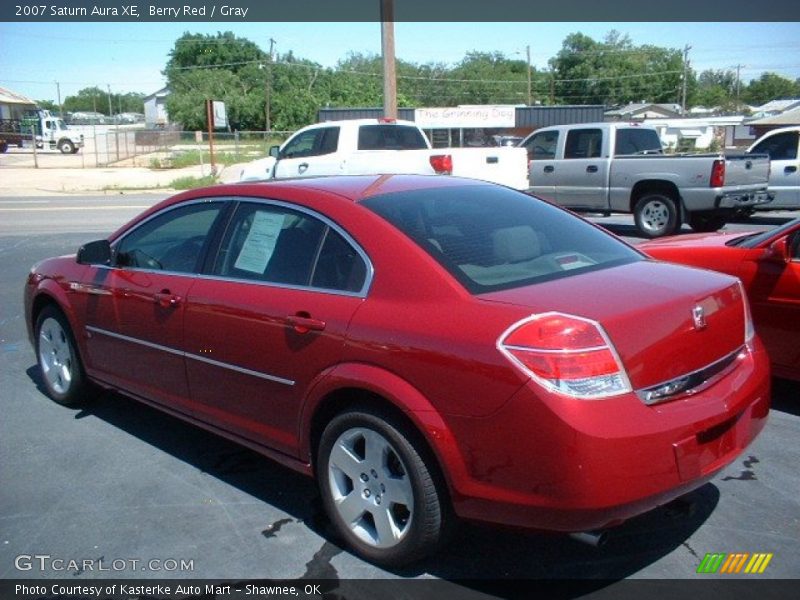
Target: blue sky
(130,56)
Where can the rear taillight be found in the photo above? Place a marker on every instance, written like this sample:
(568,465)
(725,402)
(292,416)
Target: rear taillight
(442,164)
(566,354)
(717,174)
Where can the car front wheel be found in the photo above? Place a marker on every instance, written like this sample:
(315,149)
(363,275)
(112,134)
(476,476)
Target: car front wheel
(59,363)
(67,147)
(378,490)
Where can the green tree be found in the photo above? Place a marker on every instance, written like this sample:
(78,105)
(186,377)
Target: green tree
(48,105)
(715,88)
(615,71)
(88,99)
(216,67)
(770,86)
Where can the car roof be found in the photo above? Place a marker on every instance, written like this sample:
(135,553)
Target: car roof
(350,187)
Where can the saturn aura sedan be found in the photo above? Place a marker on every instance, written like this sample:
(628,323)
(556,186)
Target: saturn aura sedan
(427,348)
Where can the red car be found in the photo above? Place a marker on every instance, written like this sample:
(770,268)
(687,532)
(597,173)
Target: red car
(768,263)
(426,347)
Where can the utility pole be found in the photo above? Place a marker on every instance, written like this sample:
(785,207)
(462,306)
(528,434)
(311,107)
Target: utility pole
(686,49)
(528,52)
(110,109)
(60,106)
(387,47)
(268,87)
(738,85)
(552,87)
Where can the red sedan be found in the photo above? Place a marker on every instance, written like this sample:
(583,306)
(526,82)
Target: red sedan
(768,263)
(426,347)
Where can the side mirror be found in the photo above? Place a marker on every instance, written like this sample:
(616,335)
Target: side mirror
(274,150)
(95,253)
(778,252)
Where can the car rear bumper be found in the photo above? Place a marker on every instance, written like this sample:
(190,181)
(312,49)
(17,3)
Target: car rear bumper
(558,464)
(744,199)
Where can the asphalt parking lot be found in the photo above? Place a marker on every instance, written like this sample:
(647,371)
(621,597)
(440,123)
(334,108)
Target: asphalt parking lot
(118,481)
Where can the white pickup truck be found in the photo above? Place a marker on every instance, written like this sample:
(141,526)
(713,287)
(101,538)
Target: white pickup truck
(615,167)
(783,147)
(383,146)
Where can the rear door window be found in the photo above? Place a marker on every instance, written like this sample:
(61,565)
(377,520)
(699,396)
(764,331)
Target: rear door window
(276,244)
(583,143)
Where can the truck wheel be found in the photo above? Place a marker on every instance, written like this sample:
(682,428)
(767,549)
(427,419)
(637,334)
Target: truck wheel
(66,147)
(656,215)
(378,490)
(703,222)
(3,147)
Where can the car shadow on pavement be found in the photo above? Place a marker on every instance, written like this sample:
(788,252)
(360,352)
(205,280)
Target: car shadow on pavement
(786,396)
(630,231)
(482,558)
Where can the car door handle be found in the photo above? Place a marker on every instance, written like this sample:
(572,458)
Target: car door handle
(304,324)
(591,169)
(302,167)
(790,169)
(166,299)
(549,169)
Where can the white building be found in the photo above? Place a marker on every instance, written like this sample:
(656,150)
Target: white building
(700,133)
(155,109)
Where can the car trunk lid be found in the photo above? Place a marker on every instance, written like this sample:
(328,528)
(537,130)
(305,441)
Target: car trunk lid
(665,321)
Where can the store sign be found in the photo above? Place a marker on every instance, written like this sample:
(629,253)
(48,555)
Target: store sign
(220,116)
(466,117)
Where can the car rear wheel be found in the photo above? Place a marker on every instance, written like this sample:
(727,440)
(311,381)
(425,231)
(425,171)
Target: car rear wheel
(378,490)
(59,363)
(656,215)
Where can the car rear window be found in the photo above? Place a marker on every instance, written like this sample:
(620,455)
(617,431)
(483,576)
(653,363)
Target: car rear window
(637,141)
(390,137)
(493,238)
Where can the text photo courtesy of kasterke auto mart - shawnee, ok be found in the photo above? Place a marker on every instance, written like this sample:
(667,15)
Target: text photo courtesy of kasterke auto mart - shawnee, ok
(361,301)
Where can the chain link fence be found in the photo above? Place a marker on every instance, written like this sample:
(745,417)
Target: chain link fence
(125,146)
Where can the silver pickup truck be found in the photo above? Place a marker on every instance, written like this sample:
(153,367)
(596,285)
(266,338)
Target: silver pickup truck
(614,167)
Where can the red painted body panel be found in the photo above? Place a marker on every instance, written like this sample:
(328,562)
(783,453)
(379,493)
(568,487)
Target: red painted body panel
(772,286)
(511,452)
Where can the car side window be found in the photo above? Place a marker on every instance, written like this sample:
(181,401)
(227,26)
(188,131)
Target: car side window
(339,266)
(542,146)
(276,244)
(794,246)
(781,146)
(172,241)
(583,143)
(315,142)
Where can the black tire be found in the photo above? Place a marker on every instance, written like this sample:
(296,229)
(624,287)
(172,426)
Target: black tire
(416,529)
(703,222)
(67,147)
(59,363)
(3,147)
(656,215)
